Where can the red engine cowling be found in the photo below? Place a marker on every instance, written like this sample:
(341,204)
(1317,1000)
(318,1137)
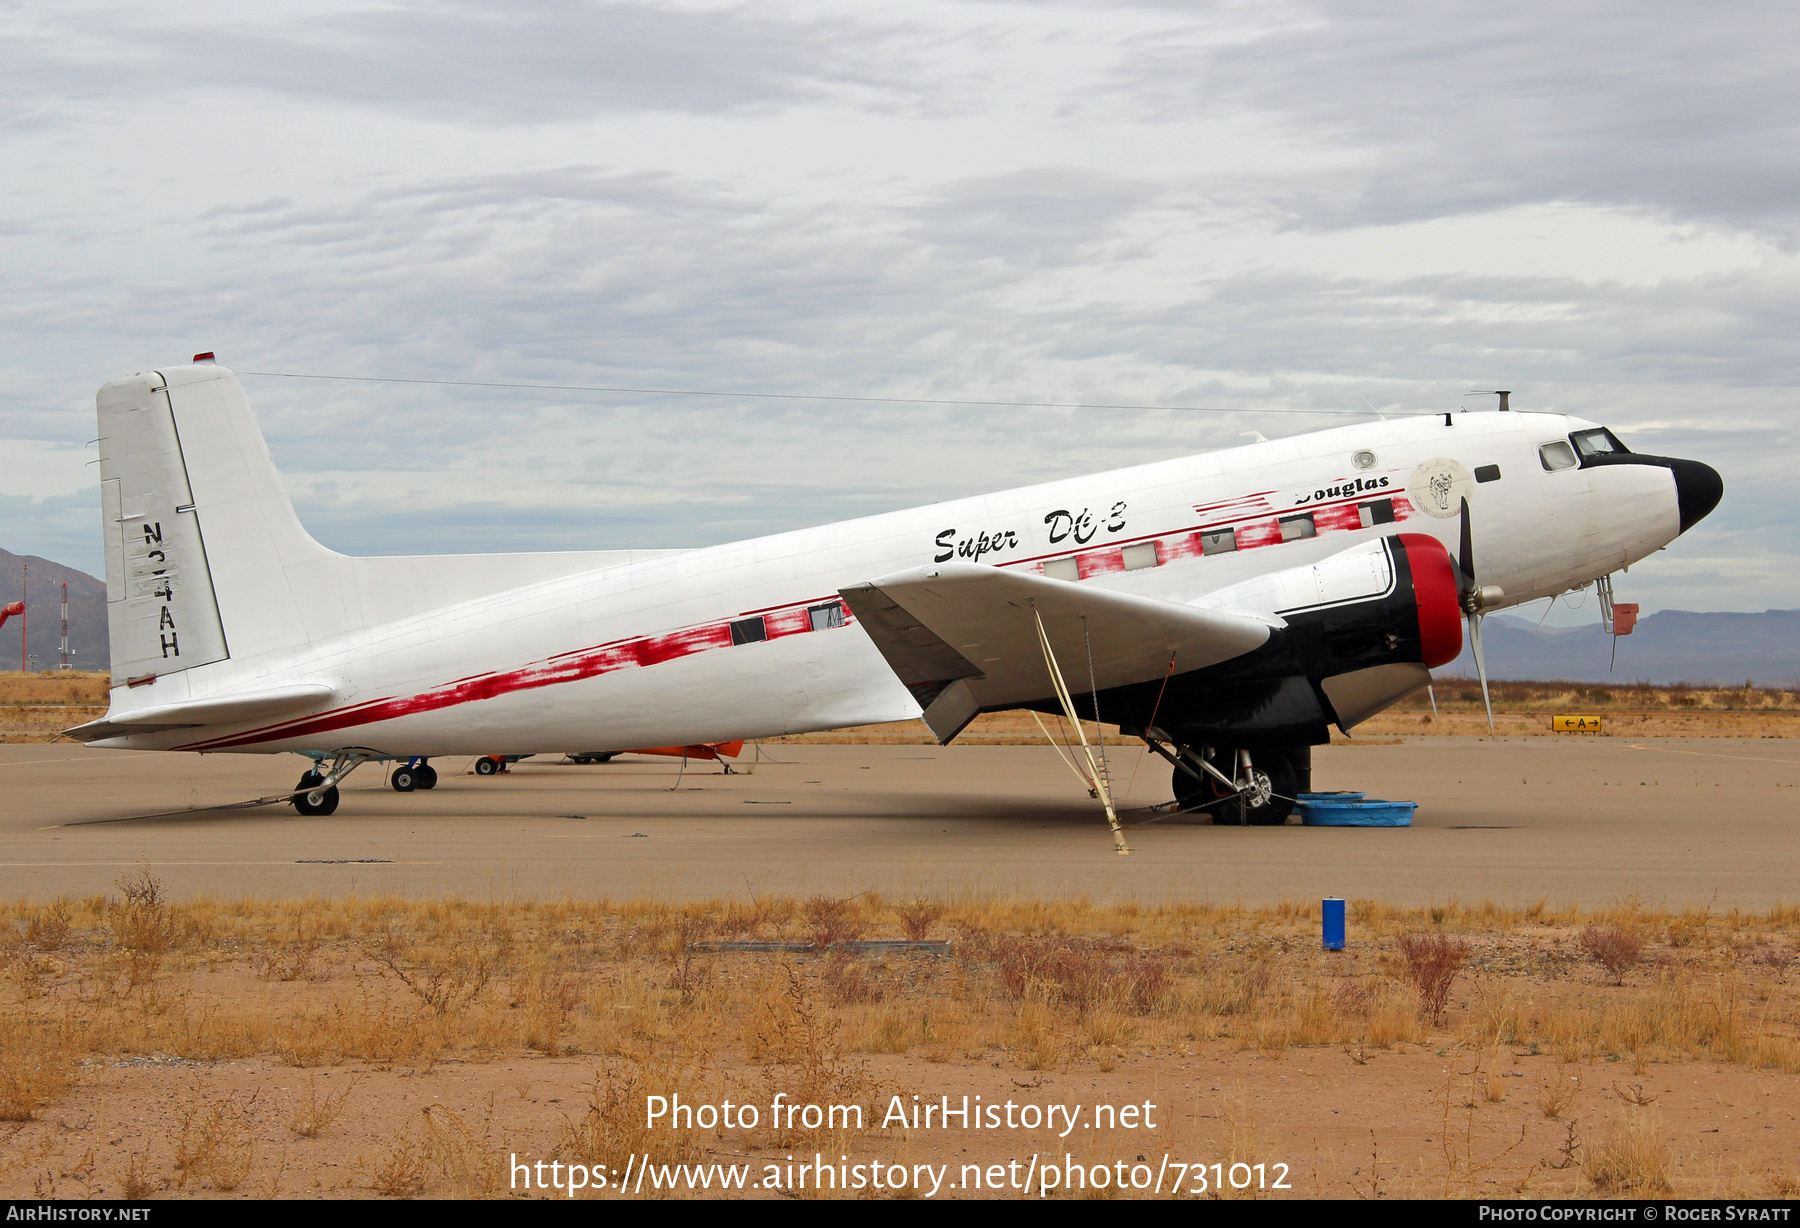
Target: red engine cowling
(1438,594)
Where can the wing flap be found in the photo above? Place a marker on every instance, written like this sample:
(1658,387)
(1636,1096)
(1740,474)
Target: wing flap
(973,626)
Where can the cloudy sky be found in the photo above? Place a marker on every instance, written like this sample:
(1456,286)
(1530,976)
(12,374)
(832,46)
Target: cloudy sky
(1289,212)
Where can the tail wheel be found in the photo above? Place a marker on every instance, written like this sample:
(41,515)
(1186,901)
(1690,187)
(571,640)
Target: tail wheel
(426,776)
(487,765)
(327,803)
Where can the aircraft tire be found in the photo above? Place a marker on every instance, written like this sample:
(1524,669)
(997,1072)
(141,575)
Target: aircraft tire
(404,779)
(427,776)
(485,766)
(1210,797)
(327,804)
(1282,787)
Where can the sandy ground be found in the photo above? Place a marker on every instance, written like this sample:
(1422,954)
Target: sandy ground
(1416,1123)
(1584,820)
(1676,822)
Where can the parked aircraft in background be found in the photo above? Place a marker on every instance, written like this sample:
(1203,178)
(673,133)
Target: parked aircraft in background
(1228,608)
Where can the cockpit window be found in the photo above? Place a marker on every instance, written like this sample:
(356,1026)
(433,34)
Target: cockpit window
(1558,455)
(1596,443)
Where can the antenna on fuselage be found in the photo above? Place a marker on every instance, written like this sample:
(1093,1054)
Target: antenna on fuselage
(1460,407)
(1504,394)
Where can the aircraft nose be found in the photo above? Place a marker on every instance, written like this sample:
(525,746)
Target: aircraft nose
(1698,489)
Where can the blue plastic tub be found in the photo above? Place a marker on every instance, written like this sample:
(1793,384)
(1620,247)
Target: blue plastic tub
(1333,795)
(1361,812)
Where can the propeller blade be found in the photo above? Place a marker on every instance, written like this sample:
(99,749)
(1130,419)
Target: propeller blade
(1480,665)
(1465,557)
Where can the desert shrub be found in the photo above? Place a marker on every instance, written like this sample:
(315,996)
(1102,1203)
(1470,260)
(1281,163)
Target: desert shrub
(615,1123)
(139,918)
(801,1054)
(1612,948)
(48,927)
(833,922)
(1431,963)
(916,917)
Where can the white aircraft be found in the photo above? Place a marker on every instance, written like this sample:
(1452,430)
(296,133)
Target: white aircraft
(1227,608)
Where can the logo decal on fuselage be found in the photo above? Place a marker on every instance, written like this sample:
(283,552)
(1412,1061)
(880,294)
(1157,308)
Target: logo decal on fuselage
(1342,490)
(1063,524)
(1439,485)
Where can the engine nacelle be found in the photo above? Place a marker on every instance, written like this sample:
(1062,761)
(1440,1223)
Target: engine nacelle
(1362,630)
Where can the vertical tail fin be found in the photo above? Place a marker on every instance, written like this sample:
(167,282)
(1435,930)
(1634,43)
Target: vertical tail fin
(204,554)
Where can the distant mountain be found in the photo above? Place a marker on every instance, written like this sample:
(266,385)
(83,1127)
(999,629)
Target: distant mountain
(1666,647)
(43,607)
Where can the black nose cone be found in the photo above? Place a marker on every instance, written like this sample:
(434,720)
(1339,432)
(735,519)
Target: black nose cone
(1698,489)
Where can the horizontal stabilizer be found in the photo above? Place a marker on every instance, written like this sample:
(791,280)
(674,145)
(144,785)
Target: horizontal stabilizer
(963,639)
(217,710)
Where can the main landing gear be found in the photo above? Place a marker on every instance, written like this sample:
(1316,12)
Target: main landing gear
(415,773)
(1233,785)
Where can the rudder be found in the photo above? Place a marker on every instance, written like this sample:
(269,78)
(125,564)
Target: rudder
(202,545)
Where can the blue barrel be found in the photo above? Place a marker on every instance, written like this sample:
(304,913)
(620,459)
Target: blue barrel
(1331,912)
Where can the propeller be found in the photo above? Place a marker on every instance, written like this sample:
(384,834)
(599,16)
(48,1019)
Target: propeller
(1475,598)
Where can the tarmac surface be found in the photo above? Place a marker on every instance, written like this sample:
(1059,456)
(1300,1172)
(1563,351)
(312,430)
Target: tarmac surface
(1589,820)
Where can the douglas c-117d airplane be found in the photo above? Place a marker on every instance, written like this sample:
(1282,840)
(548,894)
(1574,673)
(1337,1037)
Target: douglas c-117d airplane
(1228,608)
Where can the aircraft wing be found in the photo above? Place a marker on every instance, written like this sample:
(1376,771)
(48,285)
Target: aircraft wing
(963,638)
(217,710)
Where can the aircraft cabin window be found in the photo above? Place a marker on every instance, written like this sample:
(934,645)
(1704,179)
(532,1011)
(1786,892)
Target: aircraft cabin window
(749,630)
(825,617)
(1597,442)
(1218,541)
(1062,569)
(1558,455)
(1140,556)
(1487,473)
(1377,511)
(1293,528)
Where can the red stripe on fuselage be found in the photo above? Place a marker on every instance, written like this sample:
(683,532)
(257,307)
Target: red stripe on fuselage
(577,664)
(564,667)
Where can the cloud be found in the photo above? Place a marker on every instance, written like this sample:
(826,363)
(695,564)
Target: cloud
(534,62)
(1444,108)
(1267,209)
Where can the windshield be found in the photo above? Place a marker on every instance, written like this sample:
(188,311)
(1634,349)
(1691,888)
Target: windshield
(1598,442)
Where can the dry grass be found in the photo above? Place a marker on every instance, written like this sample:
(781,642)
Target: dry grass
(213,1140)
(1630,1157)
(37,707)
(1040,985)
(1464,694)
(313,1112)
(35,1068)
(1519,708)
(1559,1091)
